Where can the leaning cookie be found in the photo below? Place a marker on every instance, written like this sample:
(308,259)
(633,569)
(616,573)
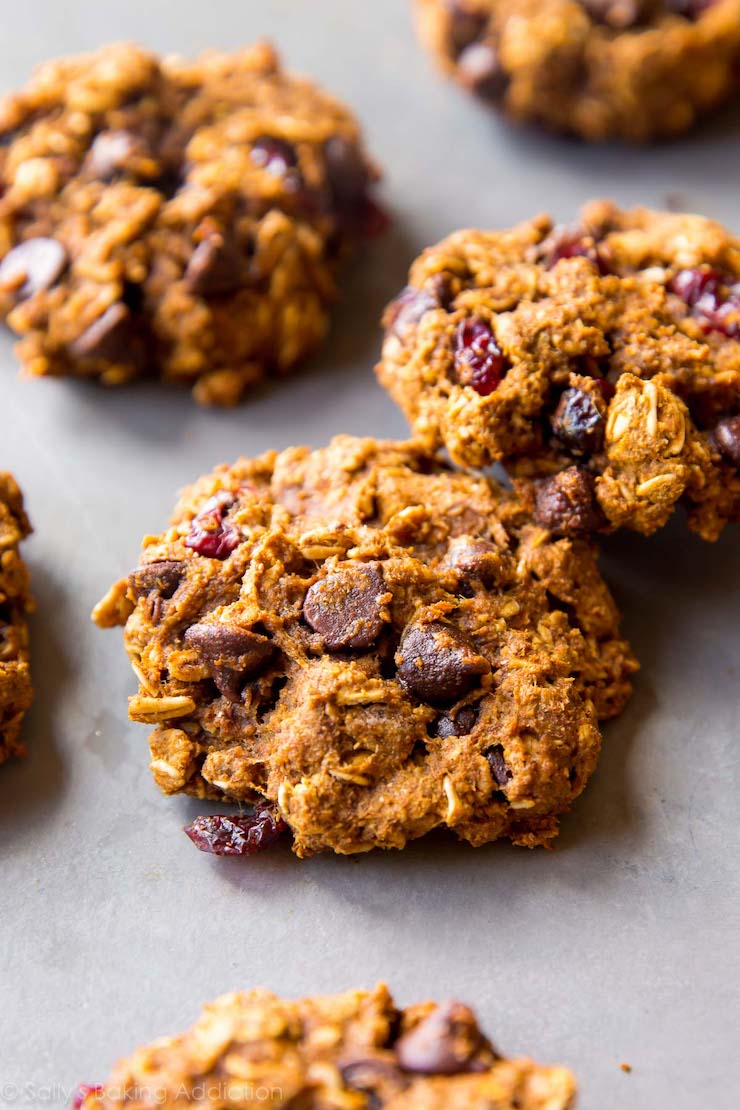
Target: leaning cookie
(354,1051)
(182,219)
(603,355)
(15,605)
(374,646)
(626,69)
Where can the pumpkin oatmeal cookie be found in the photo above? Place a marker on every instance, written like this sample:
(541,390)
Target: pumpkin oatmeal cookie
(15,605)
(185,219)
(601,69)
(602,358)
(354,1051)
(368,645)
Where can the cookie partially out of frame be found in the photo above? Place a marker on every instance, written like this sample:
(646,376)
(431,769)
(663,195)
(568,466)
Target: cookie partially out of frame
(603,356)
(352,1051)
(181,219)
(373,644)
(600,69)
(15,605)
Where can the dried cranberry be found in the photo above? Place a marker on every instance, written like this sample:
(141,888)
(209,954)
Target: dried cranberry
(479,362)
(208,535)
(572,242)
(373,221)
(713,297)
(221,835)
(82,1093)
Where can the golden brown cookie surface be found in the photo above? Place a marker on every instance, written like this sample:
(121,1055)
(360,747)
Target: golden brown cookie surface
(352,1051)
(15,605)
(626,69)
(374,644)
(185,219)
(604,354)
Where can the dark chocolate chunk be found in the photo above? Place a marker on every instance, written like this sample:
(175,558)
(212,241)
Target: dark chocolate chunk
(567,505)
(163,577)
(344,608)
(577,422)
(110,338)
(215,268)
(233,654)
(727,438)
(438,663)
(497,763)
(32,266)
(443,1043)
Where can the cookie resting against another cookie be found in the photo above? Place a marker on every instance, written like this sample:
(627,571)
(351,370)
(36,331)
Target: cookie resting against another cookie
(351,1051)
(174,218)
(15,605)
(601,69)
(602,356)
(371,646)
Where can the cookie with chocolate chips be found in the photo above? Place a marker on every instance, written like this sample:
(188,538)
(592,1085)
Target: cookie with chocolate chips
(366,645)
(355,1050)
(183,219)
(600,69)
(600,360)
(15,605)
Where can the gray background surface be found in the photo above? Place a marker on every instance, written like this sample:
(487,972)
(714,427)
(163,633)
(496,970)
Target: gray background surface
(620,946)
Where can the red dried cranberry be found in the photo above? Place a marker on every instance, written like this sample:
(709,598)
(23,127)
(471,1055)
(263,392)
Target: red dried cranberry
(221,835)
(82,1093)
(713,297)
(479,362)
(208,535)
(573,242)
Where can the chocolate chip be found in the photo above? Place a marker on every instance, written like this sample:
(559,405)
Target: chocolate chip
(111,152)
(32,266)
(443,1043)
(438,663)
(344,607)
(482,72)
(476,560)
(110,338)
(727,438)
(215,268)
(461,724)
(163,577)
(232,654)
(376,1078)
(566,503)
(407,309)
(466,27)
(497,763)
(347,175)
(577,422)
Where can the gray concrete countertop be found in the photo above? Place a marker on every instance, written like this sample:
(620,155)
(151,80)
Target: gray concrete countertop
(620,946)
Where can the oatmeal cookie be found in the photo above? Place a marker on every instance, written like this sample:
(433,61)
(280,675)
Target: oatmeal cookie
(354,1051)
(374,644)
(601,69)
(601,357)
(15,605)
(186,219)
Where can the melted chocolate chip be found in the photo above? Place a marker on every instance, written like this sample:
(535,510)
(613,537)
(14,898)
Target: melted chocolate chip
(481,70)
(215,268)
(443,1043)
(344,607)
(577,422)
(163,577)
(497,763)
(110,338)
(33,266)
(475,560)
(438,663)
(566,503)
(727,438)
(407,310)
(232,654)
